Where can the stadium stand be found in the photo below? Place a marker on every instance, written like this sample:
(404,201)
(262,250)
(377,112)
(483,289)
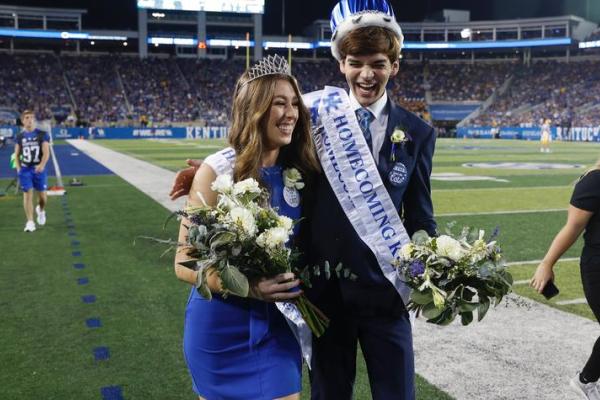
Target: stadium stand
(464,82)
(159,91)
(555,90)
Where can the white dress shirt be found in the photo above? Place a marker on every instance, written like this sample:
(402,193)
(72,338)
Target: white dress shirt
(379,125)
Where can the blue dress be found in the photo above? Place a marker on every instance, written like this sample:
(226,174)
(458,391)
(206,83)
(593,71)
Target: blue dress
(239,348)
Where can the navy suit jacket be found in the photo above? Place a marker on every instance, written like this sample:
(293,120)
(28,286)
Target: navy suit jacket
(332,237)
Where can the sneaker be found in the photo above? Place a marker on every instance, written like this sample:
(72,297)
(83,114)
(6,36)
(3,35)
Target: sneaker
(29,226)
(41,215)
(587,391)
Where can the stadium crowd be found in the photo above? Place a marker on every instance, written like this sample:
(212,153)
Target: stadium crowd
(467,82)
(124,90)
(559,91)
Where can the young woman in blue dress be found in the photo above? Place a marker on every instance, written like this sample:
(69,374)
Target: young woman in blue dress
(242,348)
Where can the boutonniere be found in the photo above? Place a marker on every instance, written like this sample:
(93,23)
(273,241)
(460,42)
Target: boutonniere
(398,138)
(292,178)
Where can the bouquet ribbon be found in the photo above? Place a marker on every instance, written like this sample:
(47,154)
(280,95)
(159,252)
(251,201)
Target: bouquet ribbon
(299,328)
(355,180)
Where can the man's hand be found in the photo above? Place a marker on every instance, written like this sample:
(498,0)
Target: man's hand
(183,179)
(39,168)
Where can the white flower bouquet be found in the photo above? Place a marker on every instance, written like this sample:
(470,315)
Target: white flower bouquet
(243,239)
(454,275)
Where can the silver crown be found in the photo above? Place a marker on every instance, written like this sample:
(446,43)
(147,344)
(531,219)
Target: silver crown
(270,65)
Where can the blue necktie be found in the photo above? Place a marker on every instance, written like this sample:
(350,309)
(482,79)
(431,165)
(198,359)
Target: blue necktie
(365,117)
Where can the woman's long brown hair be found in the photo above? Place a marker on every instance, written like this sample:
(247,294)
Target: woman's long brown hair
(251,104)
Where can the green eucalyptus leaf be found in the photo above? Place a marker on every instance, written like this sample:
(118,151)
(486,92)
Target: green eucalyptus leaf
(482,309)
(466,317)
(221,238)
(191,264)
(338,270)
(430,311)
(445,318)
(465,306)
(234,281)
(423,297)
(204,291)
(316,270)
(202,283)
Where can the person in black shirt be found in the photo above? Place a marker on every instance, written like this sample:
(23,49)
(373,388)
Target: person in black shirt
(583,213)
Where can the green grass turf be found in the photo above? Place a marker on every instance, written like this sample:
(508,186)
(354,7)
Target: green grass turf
(47,348)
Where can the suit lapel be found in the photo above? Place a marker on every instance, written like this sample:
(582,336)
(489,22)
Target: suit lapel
(394,119)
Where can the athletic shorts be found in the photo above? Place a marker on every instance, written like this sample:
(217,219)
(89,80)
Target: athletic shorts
(29,179)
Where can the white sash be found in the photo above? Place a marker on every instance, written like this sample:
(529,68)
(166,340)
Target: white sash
(222,163)
(354,178)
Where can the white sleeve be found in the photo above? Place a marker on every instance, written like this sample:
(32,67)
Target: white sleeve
(222,162)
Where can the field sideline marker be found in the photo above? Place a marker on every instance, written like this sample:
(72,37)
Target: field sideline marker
(467,214)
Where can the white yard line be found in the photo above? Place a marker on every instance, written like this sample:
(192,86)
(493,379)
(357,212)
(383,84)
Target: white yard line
(463,214)
(574,301)
(497,189)
(148,178)
(516,353)
(539,261)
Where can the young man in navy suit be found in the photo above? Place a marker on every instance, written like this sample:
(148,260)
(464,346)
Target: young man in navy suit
(369,310)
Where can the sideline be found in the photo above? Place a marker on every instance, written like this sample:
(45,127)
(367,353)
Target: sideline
(150,179)
(516,353)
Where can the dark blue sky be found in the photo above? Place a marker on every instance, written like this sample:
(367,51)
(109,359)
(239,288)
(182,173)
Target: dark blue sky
(121,14)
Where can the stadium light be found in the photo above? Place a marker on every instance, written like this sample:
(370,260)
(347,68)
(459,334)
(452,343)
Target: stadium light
(587,45)
(92,43)
(289,45)
(50,34)
(125,44)
(465,33)
(487,44)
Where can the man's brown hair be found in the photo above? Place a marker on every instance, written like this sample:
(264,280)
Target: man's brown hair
(370,40)
(27,112)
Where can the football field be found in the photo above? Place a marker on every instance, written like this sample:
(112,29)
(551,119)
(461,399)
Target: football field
(89,312)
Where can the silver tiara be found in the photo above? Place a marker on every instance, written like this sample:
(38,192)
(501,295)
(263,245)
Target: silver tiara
(270,65)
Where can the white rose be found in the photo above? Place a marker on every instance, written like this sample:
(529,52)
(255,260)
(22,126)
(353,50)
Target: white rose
(449,247)
(272,238)
(285,222)
(478,250)
(246,186)
(398,136)
(406,251)
(277,237)
(243,217)
(222,184)
(226,203)
(293,178)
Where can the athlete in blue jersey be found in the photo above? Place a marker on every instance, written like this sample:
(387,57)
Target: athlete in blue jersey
(32,152)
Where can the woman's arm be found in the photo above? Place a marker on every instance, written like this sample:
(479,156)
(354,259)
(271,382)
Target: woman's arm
(577,220)
(272,289)
(200,192)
